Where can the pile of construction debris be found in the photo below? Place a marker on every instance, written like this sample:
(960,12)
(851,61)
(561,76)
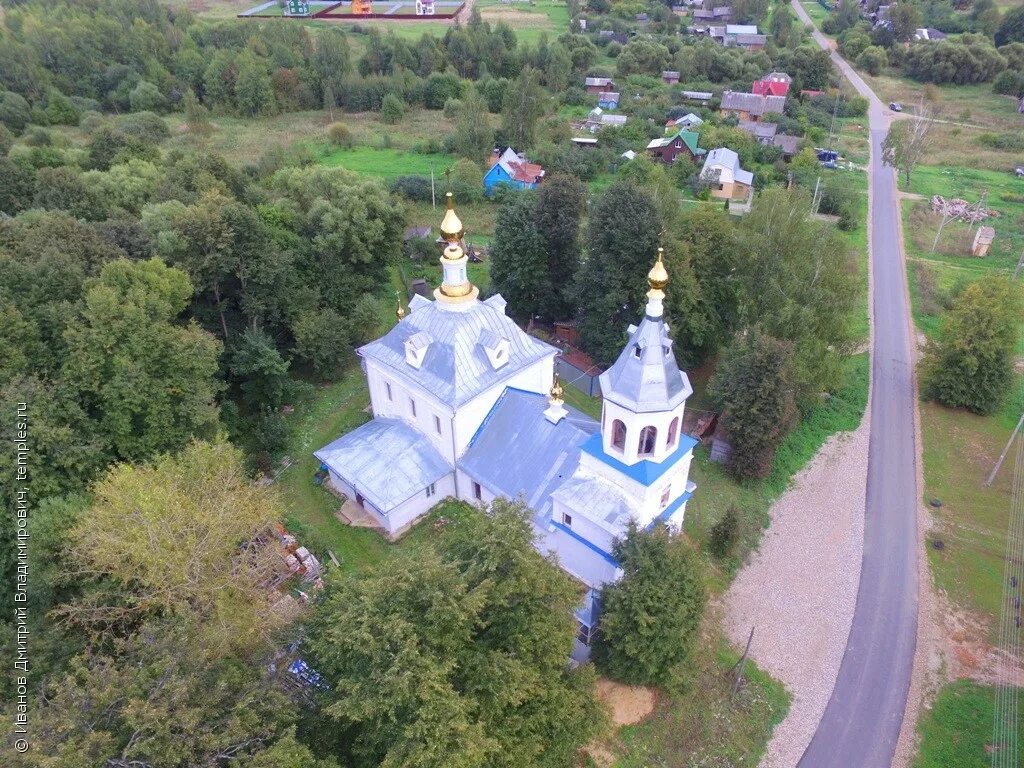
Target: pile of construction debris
(956,208)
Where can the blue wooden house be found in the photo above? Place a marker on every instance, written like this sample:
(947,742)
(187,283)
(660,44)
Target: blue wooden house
(608,100)
(512,170)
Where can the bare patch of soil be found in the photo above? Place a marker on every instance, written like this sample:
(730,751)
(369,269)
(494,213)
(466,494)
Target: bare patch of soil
(628,704)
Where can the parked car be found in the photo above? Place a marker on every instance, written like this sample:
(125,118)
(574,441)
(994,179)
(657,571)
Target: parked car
(1019,171)
(895,106)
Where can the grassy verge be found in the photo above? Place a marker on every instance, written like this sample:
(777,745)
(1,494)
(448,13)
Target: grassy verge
(705,725)
(957,730)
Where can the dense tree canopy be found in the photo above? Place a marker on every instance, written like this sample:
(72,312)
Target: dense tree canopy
(970,365)
(456,656)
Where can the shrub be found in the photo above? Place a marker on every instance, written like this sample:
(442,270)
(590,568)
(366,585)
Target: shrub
(392,109)
(1013,142)
(339,135)
(1009,83)
(724,534)
(414,188)
(146,97)
(15,111)
(452,107)
(144,126)
(873,59)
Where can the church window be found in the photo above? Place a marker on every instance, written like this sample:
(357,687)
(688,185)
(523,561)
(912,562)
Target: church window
(437,424)
(636,350)
(477,491)
(618,435)
(412,407)
(665,495)
(648,437)
(387,388)
(673,430)
(431,490)
(567,519)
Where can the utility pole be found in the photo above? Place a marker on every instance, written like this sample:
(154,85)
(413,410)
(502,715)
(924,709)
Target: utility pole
(1006,450)
(742,664)
(1020,265)
(433,199)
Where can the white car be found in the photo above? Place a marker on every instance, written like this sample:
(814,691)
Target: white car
(895,106)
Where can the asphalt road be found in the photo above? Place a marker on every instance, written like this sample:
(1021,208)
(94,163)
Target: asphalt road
(861,724)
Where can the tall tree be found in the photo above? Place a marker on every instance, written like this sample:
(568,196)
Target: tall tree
(144,377)
(474,137)
(908,140)
(970,365)
(796,280)
(753,386)
(623,237)
(519,269)
(456,656)
(650,618)
(185,538)
(525,103)
(561,204)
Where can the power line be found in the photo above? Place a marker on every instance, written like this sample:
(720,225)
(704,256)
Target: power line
(1005,736)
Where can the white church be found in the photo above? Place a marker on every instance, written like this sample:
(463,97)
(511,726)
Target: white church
(466,404)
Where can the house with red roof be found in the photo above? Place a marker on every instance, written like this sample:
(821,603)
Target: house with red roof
(773,84)
(511,169)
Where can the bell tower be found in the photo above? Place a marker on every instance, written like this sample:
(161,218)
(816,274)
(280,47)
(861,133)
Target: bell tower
(644,391)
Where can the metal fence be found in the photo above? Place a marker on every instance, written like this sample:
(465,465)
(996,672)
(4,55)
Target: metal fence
(584,380)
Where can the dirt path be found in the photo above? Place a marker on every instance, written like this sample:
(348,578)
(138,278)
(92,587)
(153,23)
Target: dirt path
(800,588)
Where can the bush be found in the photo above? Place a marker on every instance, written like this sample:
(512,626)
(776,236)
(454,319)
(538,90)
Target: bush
(971,364)
(873,59)
(414,188)
(724,534)
(146,97)
(452,107)
(1009,83)
(1011,142)
(145,126)
(392,109)
(339,135)
(967,59)
(15,111)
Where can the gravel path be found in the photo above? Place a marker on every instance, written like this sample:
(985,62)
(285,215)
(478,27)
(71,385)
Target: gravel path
(800,588)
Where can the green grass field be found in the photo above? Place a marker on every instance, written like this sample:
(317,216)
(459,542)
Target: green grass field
(388,163)
(957,731)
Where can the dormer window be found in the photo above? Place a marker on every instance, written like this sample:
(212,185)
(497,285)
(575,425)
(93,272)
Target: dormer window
(636,350)
(416,348)
(495,347)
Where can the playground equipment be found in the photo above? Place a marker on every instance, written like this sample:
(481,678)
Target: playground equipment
(298,8)
(424,7)
(362,7)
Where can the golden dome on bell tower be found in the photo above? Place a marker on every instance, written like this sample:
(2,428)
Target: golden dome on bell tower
(657,278)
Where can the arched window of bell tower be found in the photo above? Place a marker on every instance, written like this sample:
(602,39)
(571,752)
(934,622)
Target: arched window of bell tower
(618,435)
(648,437)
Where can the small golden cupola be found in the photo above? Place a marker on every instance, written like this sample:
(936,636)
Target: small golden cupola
(556,406)
(455,287)
(399,311)
(657,278)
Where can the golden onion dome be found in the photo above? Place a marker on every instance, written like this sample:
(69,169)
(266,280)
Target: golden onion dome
(556,389)
(451,225)
(399,312)
(657,278)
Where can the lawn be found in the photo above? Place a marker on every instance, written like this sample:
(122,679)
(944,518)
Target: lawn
(957,730)
(389,163)
(705,725)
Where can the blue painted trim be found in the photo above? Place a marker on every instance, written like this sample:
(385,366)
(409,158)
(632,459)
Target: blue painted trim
(671,509)
(589,545)
(646,472)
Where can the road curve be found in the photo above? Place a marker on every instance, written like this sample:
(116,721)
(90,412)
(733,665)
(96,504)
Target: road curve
(862,721)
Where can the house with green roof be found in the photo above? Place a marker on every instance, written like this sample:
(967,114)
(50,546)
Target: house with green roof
(668,148)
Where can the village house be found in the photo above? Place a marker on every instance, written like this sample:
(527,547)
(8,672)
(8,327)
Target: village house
(928,33)
(608,100)
(513,170)
(722,170)
(670,76)
(702,98)
(597,120)
(584,142)
(750,106)
(466,404)
(788,144)
(773,84)
(598,84)
(720,13)
(685,123)
(762,132)
(750,42)
(667,149)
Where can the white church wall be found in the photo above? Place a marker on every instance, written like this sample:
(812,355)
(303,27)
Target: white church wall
(578,560)
(405,515)
(470,415)
(468,488)
(392,397)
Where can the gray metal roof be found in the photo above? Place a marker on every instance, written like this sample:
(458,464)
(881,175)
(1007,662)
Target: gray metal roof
(597,500)
(517,451)
(646,377)
(455,366)
(753,103)
(386,461)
